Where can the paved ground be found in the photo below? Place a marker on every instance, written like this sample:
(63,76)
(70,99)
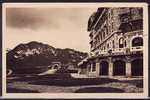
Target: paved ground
(75,84)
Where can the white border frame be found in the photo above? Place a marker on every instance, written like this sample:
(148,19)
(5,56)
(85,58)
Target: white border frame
(75,95)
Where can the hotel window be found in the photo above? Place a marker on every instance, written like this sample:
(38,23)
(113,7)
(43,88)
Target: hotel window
(113,42)
(109,15)
(112,27)
(125,43)
(108,46)
(104,34)
(138,41)
(121,43)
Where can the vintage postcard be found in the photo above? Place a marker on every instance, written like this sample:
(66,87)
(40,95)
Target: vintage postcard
(75,50)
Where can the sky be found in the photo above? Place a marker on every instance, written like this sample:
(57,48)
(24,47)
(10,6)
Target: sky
(58,27)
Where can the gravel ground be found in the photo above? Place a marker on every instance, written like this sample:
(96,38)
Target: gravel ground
(73,85)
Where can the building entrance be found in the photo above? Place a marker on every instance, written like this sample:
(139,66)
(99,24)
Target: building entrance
(137,67)
(104,68)
(119,68)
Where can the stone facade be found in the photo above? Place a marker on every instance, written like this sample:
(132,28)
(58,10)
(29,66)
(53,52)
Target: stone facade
(116,40)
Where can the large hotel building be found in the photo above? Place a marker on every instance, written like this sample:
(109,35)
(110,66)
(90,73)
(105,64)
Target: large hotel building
(116,40)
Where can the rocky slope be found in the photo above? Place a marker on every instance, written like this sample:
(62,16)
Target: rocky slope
(35,57)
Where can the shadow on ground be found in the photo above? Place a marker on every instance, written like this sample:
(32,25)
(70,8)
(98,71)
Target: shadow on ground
(67,80)
(14,90)
(99,90)
(62,80)
(73,81)
(137,83)
(21,78)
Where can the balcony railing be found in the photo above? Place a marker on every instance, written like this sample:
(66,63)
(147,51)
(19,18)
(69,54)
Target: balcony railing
(117,51)
(137,48)
(103,52)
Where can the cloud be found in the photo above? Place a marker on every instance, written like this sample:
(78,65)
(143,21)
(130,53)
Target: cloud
(18,18)
(53,18)
(59,27)
(31,18)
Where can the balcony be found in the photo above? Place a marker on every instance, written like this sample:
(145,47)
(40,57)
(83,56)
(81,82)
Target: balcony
(137,48)
(119,51)
(103,52)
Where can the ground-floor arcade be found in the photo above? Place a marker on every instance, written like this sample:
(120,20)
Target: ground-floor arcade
(125,65)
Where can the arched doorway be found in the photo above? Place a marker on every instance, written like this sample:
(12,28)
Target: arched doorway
(104,68)
(119,68)
(137,67)
(55,66)
(138,41)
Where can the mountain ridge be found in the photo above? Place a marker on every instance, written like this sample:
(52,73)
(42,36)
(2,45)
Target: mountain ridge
(35,53)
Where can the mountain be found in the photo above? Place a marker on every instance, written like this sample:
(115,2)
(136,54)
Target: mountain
(34,57)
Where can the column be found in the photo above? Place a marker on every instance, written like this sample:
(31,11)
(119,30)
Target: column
(128,68)
(110,67)
(97,68)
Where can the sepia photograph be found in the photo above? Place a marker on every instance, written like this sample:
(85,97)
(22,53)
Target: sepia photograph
(76,50)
